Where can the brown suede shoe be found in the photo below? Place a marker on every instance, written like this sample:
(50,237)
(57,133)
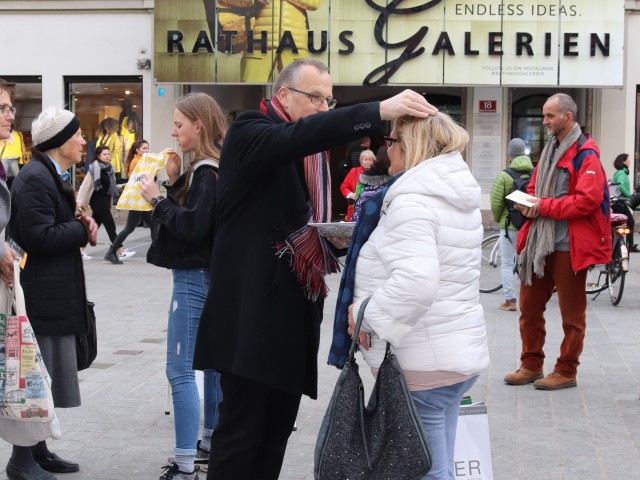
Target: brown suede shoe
(522,376)
(509,306)
(555,381)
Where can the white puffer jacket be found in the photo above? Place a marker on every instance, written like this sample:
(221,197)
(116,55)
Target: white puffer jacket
(421,267)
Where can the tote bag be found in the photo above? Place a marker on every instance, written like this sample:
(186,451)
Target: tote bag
(26,403)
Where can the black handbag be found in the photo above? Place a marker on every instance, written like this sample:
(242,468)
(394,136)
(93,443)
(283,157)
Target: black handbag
(87,342)
(384,440)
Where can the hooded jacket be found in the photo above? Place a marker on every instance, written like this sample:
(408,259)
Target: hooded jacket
(421,267)
(502,187)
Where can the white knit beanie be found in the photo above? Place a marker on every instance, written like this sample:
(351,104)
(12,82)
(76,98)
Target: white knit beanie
(53,127)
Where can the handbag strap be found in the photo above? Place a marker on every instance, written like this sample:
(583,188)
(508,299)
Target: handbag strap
(18,294)
(356,331)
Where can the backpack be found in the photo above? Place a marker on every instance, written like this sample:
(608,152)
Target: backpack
(520,182)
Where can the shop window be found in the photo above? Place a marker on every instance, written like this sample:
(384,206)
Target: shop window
(110,113)
(527,124)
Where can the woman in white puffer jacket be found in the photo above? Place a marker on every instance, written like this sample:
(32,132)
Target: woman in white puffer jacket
(421,266)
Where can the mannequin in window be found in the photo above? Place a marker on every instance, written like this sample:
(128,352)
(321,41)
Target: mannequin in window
(129,130)
(277,19)
(108,136)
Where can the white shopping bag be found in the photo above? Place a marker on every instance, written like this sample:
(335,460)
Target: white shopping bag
(472,460)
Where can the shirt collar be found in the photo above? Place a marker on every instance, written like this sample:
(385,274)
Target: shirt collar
(63,175)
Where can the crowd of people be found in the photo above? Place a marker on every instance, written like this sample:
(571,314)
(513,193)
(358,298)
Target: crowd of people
(249,271)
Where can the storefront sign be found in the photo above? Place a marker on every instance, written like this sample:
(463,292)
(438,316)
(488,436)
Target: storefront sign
(377,42)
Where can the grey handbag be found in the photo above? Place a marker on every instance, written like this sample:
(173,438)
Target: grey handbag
(384,440)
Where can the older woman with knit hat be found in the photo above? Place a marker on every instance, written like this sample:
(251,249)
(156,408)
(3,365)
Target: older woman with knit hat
(44,223)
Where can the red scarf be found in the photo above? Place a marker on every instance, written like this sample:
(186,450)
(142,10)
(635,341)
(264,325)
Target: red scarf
(310,255)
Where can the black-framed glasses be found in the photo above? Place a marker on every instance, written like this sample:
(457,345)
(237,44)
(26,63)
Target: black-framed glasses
(389,141)
(5,109)
(317,99)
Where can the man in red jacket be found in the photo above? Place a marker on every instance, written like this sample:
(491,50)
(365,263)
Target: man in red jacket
(568,230)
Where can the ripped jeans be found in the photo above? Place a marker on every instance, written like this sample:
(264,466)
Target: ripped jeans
(190,289)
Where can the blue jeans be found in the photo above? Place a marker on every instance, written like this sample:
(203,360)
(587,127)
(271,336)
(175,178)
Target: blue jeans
(190,289)
(508,255)
(438,408)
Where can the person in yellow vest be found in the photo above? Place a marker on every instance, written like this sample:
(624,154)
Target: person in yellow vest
(278,19)
(109,137)
(130,127)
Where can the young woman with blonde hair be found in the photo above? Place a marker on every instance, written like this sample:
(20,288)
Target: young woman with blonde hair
(184,243)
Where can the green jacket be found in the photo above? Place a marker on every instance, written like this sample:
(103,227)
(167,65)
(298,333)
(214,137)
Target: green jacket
(502,187)
(622,176)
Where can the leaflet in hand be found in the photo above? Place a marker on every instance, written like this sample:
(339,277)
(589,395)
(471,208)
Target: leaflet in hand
(520,197)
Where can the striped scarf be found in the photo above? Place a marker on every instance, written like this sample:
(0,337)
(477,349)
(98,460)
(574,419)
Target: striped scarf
(310,255)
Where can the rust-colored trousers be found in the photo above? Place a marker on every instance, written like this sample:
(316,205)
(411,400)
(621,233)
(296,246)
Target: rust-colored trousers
(573,304)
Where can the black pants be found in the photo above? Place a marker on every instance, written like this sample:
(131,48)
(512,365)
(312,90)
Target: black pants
(133,219)
(101,207)
(250,439)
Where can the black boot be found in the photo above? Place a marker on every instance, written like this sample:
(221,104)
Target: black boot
(112,256)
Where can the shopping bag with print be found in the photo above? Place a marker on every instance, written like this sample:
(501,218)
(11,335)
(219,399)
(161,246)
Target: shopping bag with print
(26,403)
(472,459)
(131,199)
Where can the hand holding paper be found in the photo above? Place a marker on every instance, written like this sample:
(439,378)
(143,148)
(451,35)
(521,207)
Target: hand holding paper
(522,198)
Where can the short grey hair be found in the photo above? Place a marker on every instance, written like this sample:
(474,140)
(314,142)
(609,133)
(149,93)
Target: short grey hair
(291,73)
(566,104)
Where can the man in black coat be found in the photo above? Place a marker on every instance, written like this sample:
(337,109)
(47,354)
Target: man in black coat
(260,325)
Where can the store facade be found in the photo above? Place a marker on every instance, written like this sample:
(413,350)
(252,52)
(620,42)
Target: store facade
(489,66)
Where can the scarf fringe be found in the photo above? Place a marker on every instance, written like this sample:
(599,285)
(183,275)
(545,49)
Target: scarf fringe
(311,258)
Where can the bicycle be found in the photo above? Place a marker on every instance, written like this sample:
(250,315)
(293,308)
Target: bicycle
(611,276)
(490,266)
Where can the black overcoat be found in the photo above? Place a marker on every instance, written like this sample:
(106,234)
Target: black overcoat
(257,322)
(42,223)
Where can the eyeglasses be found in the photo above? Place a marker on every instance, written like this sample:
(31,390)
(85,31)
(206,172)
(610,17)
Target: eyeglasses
(389,141)
(5,109)
(318,99)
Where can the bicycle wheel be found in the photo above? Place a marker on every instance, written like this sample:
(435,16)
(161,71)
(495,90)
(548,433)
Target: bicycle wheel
(596,279)
(615,277)
(490,268)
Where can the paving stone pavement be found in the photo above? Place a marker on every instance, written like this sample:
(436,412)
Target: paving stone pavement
(121,431)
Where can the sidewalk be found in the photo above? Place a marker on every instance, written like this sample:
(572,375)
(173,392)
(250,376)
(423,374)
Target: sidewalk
(588,432)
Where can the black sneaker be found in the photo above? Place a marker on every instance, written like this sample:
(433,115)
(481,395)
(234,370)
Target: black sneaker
(113,258)
(172,472)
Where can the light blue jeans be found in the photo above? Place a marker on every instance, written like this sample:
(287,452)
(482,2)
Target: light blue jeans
(508,255)
(190,289)
(438,408)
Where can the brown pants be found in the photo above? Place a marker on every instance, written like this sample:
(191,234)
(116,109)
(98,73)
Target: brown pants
(573,305)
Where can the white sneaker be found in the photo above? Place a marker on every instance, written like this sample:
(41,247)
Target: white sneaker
(86,257)
(126,254)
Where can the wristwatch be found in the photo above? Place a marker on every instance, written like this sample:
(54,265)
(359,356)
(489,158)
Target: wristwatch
(156,200)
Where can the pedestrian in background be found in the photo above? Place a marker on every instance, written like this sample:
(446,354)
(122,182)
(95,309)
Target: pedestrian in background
(568,230)
(104,189)
(187,222)
(260,326)
(372,180)
(351,181)
(134,217)
(521,165)
(44,225)
(621,176)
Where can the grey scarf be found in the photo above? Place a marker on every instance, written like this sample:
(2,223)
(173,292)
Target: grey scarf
(541,239)
(96,167)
